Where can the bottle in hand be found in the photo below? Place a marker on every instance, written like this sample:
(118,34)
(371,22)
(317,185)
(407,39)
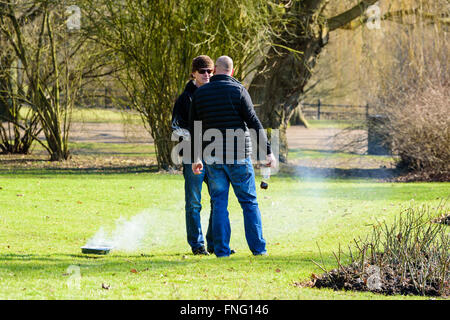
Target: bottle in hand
(265,172)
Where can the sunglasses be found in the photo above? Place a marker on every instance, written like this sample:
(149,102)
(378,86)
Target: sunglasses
(203,71)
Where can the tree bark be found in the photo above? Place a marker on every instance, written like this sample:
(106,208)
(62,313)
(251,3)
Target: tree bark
(277,92)
(298,118)
(163,145)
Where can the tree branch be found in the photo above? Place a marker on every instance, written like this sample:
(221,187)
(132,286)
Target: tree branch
(348,16)
(399,17)
(31,14)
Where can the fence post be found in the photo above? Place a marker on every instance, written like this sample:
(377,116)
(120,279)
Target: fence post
(105,101)
(367,111)
(318,109)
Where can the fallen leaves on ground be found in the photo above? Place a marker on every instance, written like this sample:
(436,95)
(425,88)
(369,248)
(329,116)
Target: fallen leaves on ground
(106,286)
(81,162)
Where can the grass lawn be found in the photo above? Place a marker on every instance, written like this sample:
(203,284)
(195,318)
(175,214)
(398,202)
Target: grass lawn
(49,210)
(46,216)
(99,115)
(335,124)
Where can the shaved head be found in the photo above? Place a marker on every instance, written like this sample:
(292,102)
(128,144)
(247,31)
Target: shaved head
(224,65)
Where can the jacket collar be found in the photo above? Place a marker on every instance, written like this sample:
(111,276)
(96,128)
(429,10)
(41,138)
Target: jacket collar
(222,77)
(190,87)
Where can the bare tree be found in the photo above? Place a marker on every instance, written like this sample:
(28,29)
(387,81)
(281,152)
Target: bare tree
(412,90)
(18,125)
(155,42)
(55,58)
(279,85)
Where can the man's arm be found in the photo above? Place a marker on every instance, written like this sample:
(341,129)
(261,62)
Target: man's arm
(177,118)
(179,122)
(248,113)
(197,164)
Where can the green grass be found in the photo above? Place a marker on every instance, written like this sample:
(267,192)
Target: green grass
(45,218)
(330,124)
(113,149)
(47,214)
(99,115)
(298,153)
(105,149)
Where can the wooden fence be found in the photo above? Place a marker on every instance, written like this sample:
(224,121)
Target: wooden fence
(321,110)
(103,98)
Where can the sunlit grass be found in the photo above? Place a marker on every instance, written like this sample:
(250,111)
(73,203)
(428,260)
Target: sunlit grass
(334,124)
(46,215)
(46,218)
(99,115)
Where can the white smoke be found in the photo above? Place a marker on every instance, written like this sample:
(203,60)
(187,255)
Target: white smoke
(128,235)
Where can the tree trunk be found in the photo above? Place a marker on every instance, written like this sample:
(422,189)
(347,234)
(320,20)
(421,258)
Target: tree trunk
(163,145)
(298,118)
(16,133)
(58,147)
(277,92)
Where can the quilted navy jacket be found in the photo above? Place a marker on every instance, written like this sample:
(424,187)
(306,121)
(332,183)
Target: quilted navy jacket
(180,112)
(223,104)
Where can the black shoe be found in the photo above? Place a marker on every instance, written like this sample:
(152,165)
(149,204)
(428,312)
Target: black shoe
(264,254)
(211,251)
(200,251)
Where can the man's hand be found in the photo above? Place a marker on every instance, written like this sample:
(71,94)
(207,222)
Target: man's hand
(197,167)
(271,161)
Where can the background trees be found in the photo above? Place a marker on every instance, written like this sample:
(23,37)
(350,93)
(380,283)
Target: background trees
(18,128)
(154,43)
(148,46)
(54,59)
(412,89)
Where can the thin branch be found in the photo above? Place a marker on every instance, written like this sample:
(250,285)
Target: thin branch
(348,16)
(396,16)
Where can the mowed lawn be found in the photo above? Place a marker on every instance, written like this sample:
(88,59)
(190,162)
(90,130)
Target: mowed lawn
(46,216)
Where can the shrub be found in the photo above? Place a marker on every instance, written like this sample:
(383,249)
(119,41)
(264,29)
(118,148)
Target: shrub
(410,256)
(420,130)
(411,89)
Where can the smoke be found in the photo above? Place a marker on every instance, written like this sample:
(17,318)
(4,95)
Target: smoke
(128,235)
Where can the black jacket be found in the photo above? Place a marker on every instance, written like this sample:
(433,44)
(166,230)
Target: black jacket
(223,104)
(180,112)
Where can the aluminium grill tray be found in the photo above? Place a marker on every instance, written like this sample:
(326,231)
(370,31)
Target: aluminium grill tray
(95,250)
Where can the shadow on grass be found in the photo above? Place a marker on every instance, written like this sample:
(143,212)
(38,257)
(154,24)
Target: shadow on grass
(321,173)
(310,170)
(51,263)
(82,171)
(324,151)
(292,171)
(351,173)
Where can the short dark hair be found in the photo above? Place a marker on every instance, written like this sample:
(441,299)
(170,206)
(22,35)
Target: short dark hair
(202,62)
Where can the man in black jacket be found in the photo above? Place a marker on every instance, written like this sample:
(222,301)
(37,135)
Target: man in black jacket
(224,110)
(202,68)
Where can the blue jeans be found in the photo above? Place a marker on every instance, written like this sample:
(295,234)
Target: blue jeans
(193,196)
(242,178)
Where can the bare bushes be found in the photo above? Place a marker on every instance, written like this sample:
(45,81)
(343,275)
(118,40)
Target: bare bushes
(410,256)
(412,90)
(420,130)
